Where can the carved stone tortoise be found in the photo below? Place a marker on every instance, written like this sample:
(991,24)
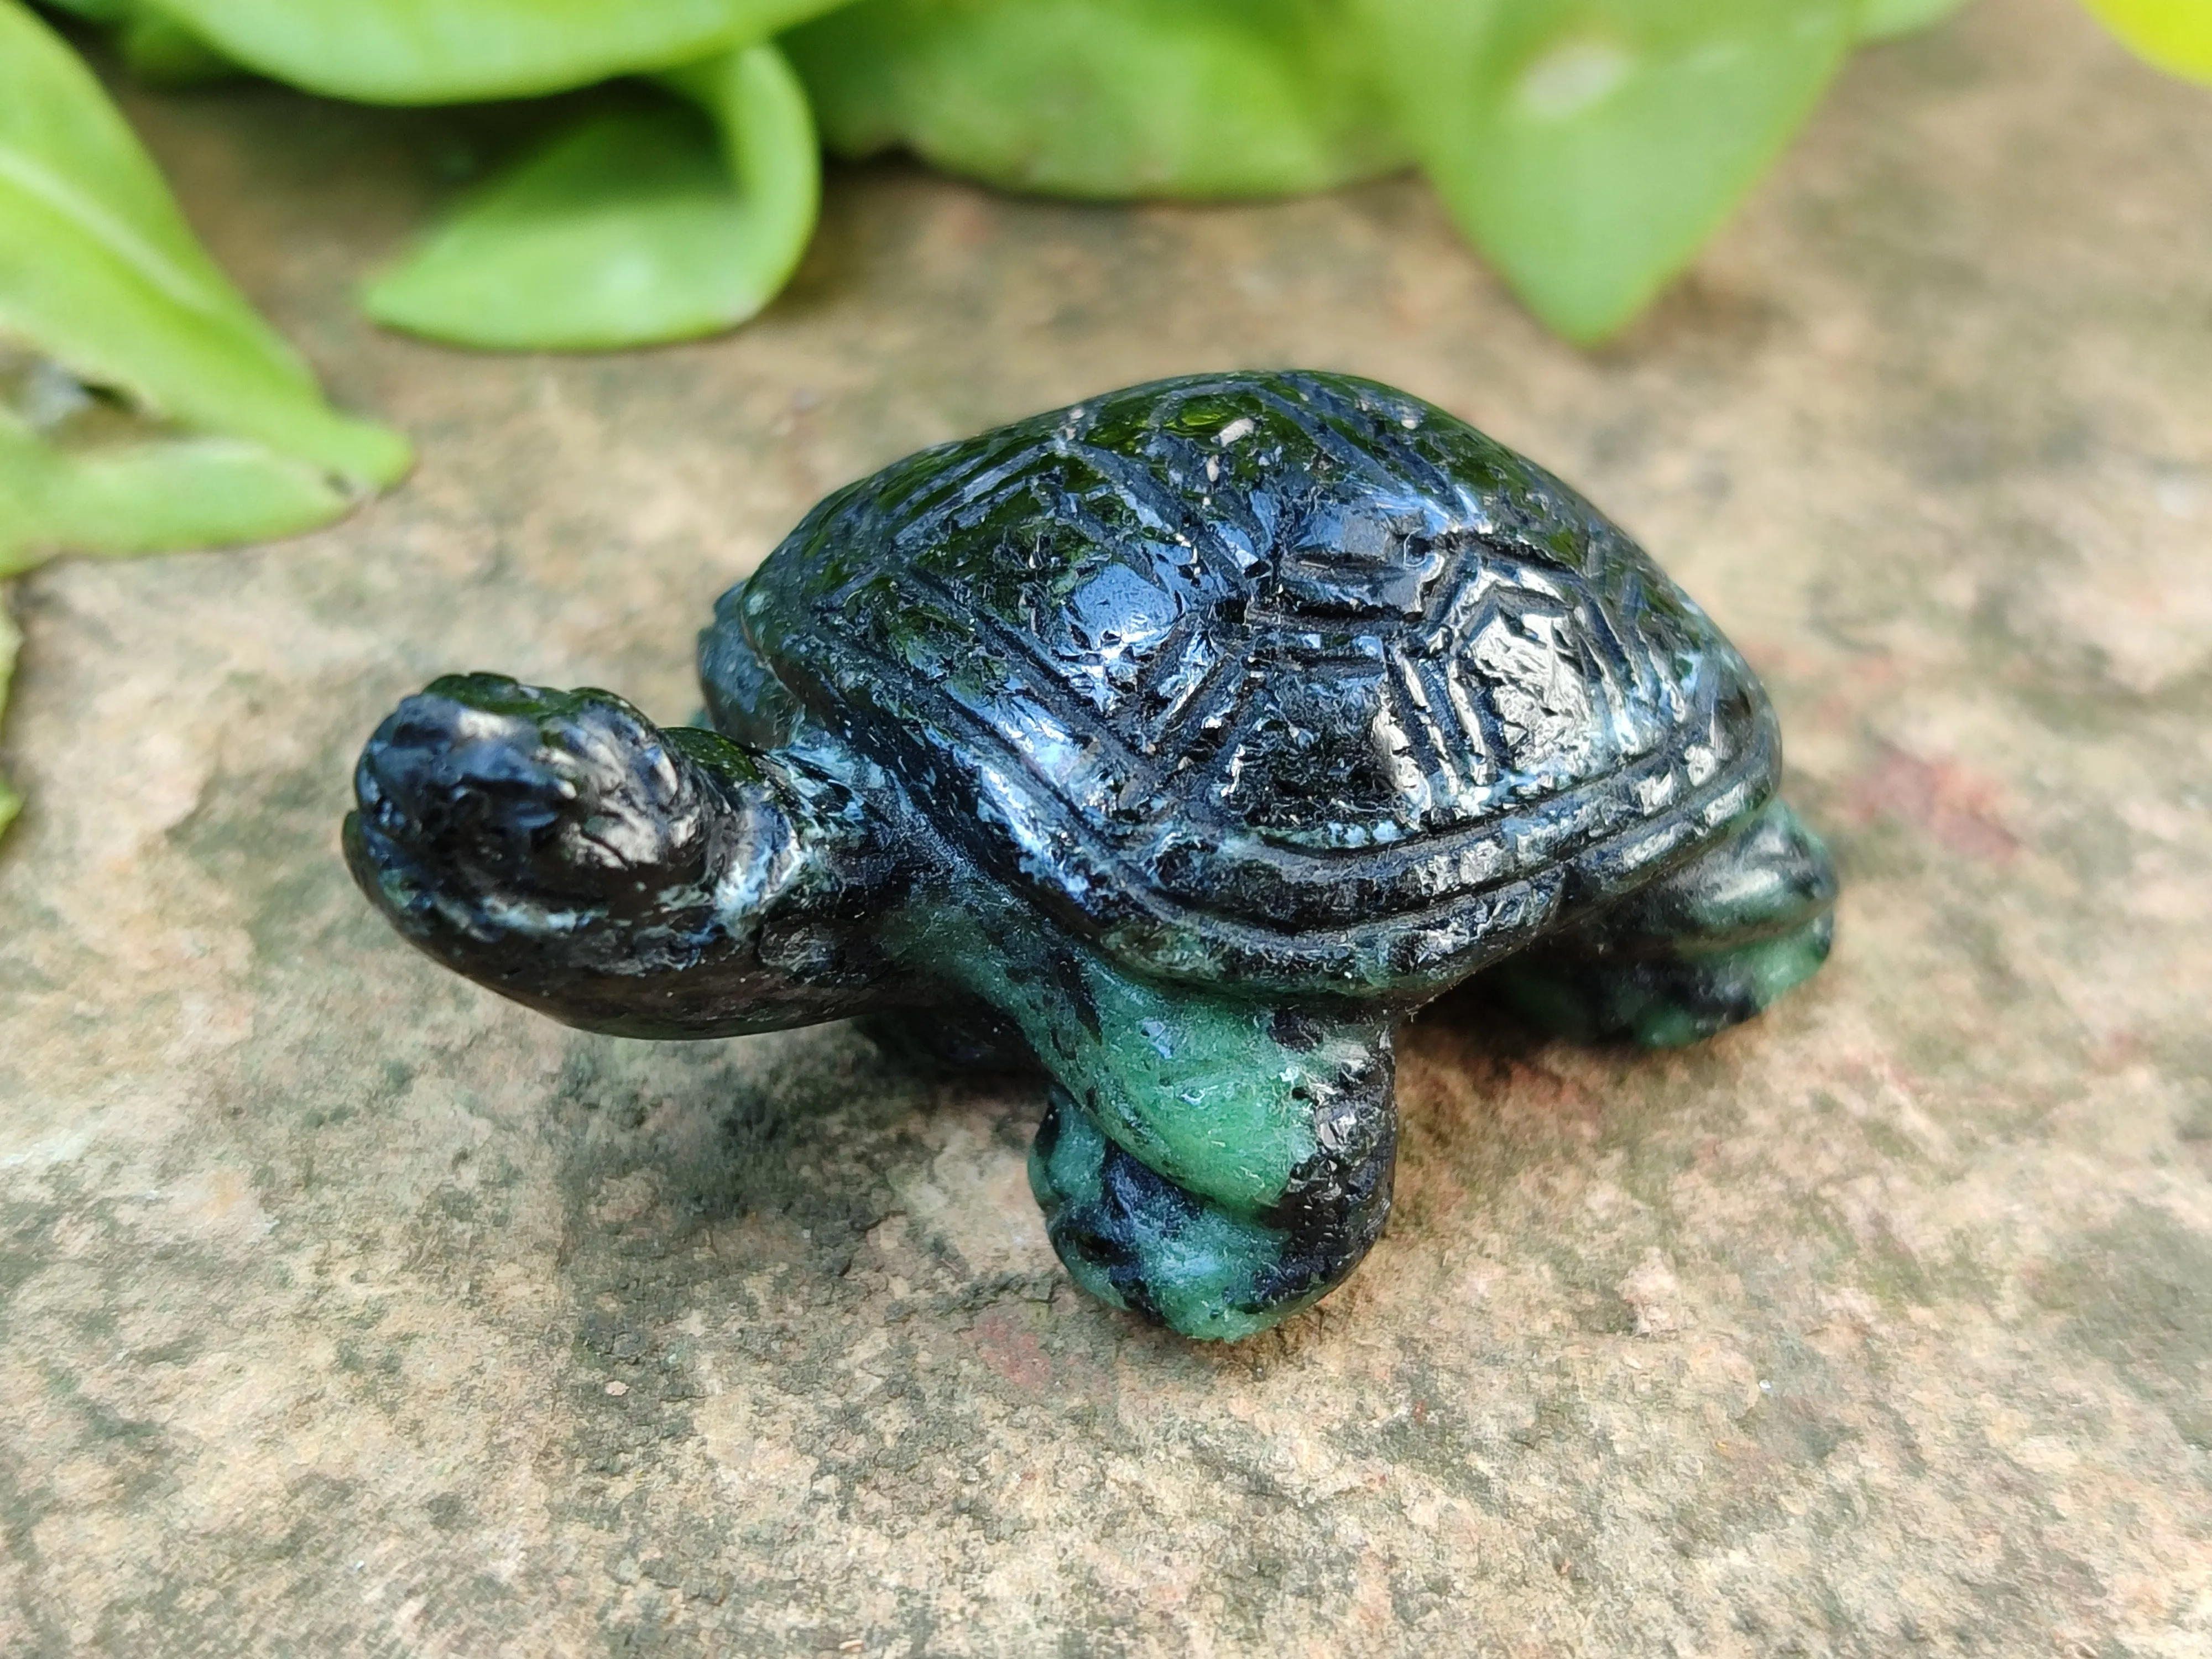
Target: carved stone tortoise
(1185,741)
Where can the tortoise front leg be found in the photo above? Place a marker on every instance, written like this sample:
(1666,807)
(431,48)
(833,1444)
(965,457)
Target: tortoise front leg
(561,849)
(1711,943)
(1205,1267)
(1214,1163)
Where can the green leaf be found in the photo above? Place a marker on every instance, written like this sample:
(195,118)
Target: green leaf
(436,51)
(98,272)
(1107,98)
(95,11)
(153,493)
(1589,148)
(636,227)
(2174,35)
(1884,20)
(160,51)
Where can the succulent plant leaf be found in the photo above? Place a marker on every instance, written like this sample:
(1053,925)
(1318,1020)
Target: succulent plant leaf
(439,52)
(636,226)
(1590,148)
(99,272)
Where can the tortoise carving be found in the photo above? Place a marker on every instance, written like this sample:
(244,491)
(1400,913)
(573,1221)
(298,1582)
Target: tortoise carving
(1186,741)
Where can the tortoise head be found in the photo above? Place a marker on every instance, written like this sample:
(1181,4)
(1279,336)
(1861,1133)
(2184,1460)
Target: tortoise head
(560,848)
(508,801)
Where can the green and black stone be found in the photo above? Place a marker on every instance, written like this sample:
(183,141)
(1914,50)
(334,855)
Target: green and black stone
(1186,741)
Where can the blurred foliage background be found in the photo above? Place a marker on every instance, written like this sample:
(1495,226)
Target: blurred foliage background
(1586,148)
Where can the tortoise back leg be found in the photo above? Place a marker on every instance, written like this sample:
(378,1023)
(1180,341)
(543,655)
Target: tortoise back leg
(1709,945)
(559,848)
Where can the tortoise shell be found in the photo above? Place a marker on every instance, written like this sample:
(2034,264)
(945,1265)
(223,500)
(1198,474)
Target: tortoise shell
(1286,679)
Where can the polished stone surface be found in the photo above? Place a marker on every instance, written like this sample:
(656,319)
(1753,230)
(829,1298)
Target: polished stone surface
(350,1309)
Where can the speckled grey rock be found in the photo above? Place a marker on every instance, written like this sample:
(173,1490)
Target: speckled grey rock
(351,1310)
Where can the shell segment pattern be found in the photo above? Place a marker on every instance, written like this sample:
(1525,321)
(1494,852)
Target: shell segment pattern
(1285,679)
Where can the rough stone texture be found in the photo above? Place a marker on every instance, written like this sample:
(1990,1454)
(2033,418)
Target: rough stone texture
(350,1310)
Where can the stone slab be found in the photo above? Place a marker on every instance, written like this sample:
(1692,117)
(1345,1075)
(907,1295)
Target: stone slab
(350,1311)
